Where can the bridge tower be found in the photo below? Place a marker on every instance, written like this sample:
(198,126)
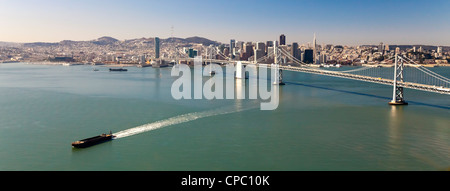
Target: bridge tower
(397,97)
(278,79)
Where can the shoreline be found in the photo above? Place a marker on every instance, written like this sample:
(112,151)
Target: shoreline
(135,65)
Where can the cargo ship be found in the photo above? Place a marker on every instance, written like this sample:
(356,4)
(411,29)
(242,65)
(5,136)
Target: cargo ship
(93,140)
(117,70)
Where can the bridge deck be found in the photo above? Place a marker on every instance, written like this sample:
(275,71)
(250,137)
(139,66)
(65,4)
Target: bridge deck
(423,87)
(410,85)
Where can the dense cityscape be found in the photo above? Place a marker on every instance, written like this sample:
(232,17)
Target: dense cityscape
(144,51)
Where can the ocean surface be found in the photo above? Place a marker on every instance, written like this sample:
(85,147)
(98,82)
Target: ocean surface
(321,123)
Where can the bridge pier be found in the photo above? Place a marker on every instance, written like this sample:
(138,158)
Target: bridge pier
(240,72)
(278,78)
(398,97)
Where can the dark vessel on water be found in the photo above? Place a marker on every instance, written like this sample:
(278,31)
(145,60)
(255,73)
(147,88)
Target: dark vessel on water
(117,70)
(93,140)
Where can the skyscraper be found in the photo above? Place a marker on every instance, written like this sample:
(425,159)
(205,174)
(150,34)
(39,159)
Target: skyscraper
(232,46)
(192,53)
(261,46)
(248,48)
(282,39)
(294,50)
(314,47)
(381,47)
(156,47)
(268,44)
(309,57)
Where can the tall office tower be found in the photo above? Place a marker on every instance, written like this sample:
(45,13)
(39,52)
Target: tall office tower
(270,51)
(240,45)
(294,50)
(258,54)
(248,51)
(232,46)
(156,47)
(314,47)
(261,46)
(381,47)
(282,39)
(192,53)
(268,44)
(308,57)
(323,58)
(439,49)
(414,49)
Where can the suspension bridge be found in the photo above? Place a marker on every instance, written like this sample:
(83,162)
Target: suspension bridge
(404,74)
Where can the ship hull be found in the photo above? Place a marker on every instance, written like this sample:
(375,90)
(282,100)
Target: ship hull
(92,141)
(117,70)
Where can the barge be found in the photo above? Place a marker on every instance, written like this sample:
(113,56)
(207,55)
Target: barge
(93,140)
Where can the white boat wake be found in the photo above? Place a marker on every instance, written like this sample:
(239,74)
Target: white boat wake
(176,120)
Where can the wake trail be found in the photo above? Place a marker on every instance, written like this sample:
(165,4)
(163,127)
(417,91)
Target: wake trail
(177,120)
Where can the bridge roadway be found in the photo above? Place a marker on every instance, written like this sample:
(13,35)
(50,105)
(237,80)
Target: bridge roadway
(410,85)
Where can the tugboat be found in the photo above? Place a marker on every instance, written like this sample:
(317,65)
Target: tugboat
(117,70)
(93,140)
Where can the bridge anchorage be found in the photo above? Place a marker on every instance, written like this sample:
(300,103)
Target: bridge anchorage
(397,97)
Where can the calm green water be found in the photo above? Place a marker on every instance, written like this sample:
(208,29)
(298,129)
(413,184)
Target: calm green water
(322,123)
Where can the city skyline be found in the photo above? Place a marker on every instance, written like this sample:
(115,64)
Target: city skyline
(334,22)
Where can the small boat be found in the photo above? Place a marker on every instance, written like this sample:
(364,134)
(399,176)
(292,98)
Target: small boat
(95,69)
(117,70)
(93,140)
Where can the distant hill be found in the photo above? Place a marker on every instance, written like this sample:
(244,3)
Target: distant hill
(40,44)
(104,40)
(201,40)
(195,39)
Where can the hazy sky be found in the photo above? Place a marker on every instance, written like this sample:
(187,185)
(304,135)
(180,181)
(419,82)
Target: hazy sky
(349,22)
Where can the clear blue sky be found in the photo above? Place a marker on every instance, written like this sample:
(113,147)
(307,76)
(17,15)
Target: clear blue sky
(349,22)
